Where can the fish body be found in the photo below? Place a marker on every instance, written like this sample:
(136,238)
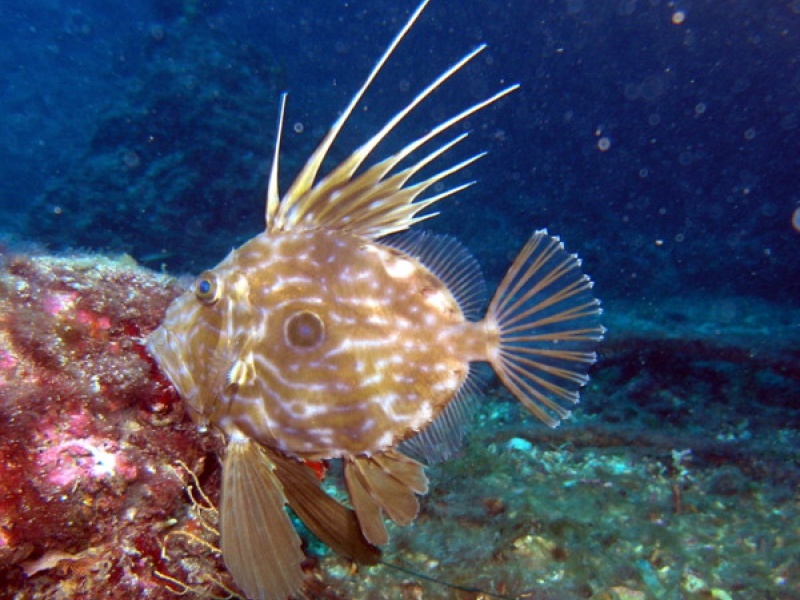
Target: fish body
(330,337)
(322,344)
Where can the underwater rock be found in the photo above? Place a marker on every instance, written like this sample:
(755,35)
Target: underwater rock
(727,481)
(89,478)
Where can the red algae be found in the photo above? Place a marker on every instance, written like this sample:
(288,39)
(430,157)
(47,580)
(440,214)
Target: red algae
(92,434)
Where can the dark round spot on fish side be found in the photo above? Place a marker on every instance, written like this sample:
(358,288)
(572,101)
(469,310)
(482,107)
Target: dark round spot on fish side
(207,288)
(304,330)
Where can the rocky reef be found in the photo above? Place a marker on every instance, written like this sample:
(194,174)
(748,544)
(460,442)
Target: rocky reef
(93,443)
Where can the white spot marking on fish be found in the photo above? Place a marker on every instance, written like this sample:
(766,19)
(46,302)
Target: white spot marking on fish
(387,402)
(377,319)
(385,440)
(323,435)
(375,379)
(430,320)
(400,268)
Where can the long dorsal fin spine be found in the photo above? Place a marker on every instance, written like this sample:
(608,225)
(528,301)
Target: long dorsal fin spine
(370,145)
(412,192)
(395,182)
(305,180)
(445,125)
(374,202)
(298,206)
(391,224)
(314,195)
(273,193)
(408,212)
(345,171)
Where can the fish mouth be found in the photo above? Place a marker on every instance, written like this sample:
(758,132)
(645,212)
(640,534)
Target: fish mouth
(164,347)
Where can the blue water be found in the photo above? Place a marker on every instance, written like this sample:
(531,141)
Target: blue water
(147,128)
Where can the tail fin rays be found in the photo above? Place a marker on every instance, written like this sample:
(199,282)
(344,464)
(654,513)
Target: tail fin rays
(547,325)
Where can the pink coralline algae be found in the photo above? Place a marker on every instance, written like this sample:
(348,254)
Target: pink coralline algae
(96,451)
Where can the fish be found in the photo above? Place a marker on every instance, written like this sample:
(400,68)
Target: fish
(341,333)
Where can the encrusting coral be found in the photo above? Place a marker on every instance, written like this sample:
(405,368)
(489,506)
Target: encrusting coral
(92,436)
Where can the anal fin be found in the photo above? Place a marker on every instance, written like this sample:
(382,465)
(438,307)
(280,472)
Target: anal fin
(443,438)
(259,544)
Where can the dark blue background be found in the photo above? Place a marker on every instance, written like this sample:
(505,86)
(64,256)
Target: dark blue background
(695,194)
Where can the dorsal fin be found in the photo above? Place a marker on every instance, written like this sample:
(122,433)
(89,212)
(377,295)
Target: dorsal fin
(308,174)
(451,262)
(273,195)
(375,202)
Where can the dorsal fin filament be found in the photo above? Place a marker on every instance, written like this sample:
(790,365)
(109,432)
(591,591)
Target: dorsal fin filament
(273,194)
(373,203)
(378,185)
(308,174)
(344,172)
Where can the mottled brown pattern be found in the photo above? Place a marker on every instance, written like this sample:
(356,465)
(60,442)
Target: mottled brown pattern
(377,372)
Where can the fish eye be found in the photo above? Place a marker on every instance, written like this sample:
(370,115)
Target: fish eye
(207,288)
(304,329)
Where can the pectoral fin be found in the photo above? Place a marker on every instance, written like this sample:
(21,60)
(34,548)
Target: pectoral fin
(259,544)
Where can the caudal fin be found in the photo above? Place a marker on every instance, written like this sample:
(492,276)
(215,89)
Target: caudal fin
(547,325)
